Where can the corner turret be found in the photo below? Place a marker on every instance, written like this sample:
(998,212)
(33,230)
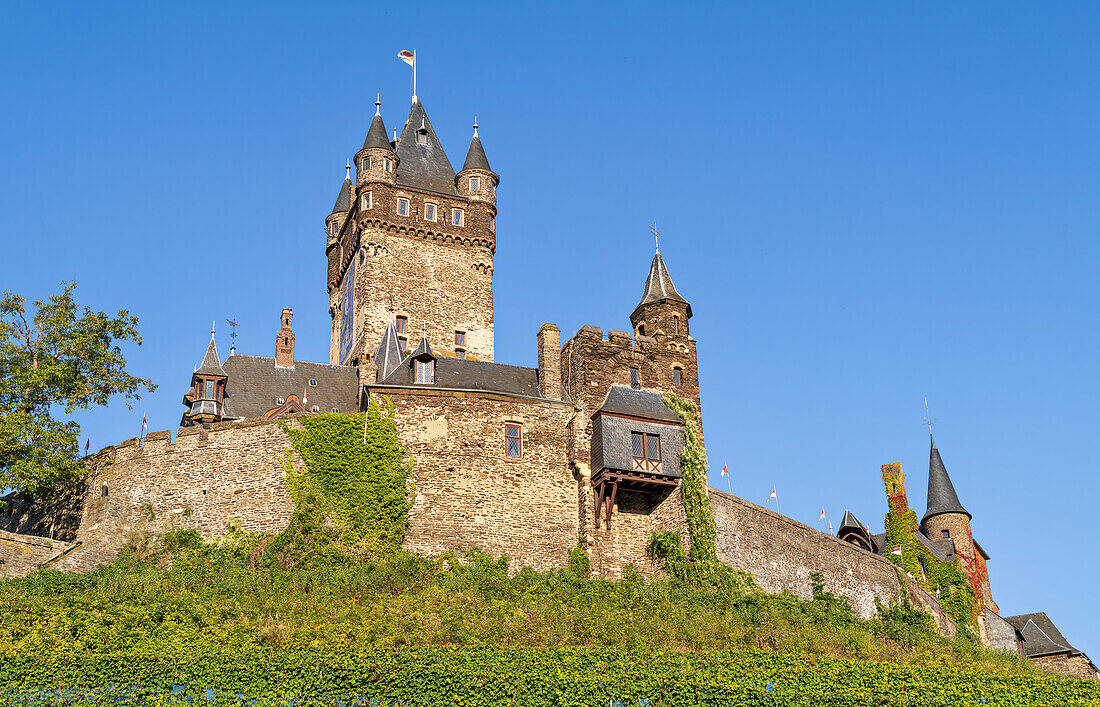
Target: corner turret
(662,310)
(378,160)
(204,398)
(478,182)
(335,220)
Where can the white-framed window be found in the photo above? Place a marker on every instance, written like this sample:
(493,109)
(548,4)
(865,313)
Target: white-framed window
(402,207)
(429,211)
(513,440)
(366,164)
(475,183)
(334,410)
(425,371)
(313,382)
(458,217)
(368,200)
(388,165)
(315,409)
(279,401)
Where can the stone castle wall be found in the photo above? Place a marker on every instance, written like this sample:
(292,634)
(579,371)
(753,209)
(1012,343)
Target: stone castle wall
(780,553)
(22,554)
(1076,666)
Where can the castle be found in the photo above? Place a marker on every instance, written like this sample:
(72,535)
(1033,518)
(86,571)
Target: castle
(514,460)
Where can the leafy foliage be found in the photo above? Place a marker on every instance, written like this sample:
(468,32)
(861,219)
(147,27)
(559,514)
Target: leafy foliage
(352,499)
(58,360)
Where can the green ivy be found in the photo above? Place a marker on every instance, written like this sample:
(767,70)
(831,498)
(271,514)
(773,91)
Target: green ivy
(956,597)
(353,497)
(700,566)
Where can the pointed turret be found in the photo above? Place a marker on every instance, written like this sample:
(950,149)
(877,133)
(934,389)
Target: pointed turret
(659,286)
(204,398)
(424,164)
(475,156)
(343,197)
(376,136)
(941,493)
(388,356)
(335,220)
(662,309)
(377,161)
(210,363)
(478,182)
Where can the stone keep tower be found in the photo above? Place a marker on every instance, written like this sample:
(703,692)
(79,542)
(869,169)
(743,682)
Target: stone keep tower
(415,247)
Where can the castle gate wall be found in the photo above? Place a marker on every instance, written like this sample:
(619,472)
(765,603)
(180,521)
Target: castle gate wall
(780,553)
(468,493)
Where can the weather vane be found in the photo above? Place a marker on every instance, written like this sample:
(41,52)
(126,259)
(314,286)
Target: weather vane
(656,236)
(232,335)
(928,419)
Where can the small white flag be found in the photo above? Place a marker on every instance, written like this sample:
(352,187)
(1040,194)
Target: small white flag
(406,56)
(144,424)
(896,551)
(725,471)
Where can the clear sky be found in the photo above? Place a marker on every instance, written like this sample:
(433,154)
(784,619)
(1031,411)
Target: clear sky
(866,203)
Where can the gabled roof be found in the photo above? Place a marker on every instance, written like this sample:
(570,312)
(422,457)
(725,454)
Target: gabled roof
(1041,636)
(376,135)
(343,199)
(210,365)
(622,400)
(388,356)
(941,493)
(255,384)
(475,156)
(850,522)
(423,166)
(423,349)
(469,374)
(658,285)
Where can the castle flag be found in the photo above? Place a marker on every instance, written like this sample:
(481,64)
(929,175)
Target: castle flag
(897,550)
(725,471)
(406,56)
(822,516)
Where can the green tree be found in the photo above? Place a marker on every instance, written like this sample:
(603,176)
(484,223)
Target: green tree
(57,361)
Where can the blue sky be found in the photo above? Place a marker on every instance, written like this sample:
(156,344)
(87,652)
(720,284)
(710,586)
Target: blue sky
(866,204)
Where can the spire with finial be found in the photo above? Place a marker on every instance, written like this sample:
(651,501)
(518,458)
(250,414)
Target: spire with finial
(377,136)
(941,492)
(475,156)
(656,236)
(378,104)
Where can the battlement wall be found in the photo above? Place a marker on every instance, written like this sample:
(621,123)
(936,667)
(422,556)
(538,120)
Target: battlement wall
(780,553)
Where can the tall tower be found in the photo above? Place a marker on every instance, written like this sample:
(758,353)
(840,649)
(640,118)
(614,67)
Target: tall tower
(947,521)
(416,249)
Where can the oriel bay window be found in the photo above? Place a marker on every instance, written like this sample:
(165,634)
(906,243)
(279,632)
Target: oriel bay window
(646,449)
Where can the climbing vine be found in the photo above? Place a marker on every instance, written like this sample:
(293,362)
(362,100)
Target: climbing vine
(700,565)
(353,497)
(946,579)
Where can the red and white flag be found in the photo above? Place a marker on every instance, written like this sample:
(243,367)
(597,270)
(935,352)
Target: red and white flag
(144,424)
(896,550)
(822,516)
(725,471)
(406,56)
(773,494)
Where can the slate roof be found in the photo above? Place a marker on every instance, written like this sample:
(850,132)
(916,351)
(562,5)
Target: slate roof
(934,548)
(376,135)
(941,493)
(255,383)
(1041,636)
(475,156)
(469,374)
(878,540)
(423,166)
(423,349)
(388,356)
(343,199)
(658,285)
(623,400)
(850,522)
(210,365)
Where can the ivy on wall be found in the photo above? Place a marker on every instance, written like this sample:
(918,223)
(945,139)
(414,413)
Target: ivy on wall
(956,596)
(352,499)
(700,565)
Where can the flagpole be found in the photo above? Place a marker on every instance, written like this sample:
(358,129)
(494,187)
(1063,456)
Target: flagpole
(728,487)
(414,77)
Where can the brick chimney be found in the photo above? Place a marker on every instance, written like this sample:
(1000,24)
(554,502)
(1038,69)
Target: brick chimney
(550,362)
(284,341)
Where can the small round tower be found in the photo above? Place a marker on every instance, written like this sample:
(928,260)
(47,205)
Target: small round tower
(377,161)
(335,220)
(478,182)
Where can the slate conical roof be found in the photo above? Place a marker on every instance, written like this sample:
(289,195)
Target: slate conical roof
(388,357)
(658,285)
(424,164)
(423,350)
(941,493)
(376,136)
(210,362)
(475,156)
(343,199)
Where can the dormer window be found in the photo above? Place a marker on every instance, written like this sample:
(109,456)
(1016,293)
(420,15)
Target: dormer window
(422,137)
(402,207)
(315,409)
(429,211)
(368,199)
(425,371)
(475,184)
(458,217)
(279,401)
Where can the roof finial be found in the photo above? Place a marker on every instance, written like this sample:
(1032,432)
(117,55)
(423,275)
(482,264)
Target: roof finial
(347,170)
(475,126)
(378,104)
(656,236)
(212,328)
(232,337)
(929,420)
(395,134)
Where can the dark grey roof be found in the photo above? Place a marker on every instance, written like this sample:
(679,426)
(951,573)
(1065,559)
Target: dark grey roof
(255,384)
(376,135)
(623,400)
(423,166)
(469,374)
(475,156)
(934,548)
(850,522)
(343,199)
(389,356)
(423,350)
(878,540)
(210,365)
(941,493)
(1041,636)
(658,285)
